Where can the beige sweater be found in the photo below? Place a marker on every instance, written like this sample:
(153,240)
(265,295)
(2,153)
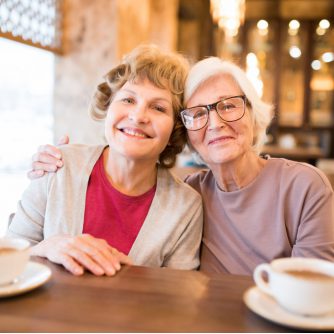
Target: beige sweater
(55,204)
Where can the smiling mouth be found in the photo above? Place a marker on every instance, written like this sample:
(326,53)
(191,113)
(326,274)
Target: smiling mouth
(134,133)
(220,140)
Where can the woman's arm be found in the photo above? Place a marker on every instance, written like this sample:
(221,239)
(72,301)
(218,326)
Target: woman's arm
(75,253)
(28,221)
(315,237)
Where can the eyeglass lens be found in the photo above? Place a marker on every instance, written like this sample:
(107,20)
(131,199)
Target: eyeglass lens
(229,110)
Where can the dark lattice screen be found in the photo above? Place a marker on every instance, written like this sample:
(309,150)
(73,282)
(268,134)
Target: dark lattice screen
(35,22)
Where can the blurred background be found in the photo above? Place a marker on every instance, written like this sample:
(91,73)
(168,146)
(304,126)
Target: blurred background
(54,52)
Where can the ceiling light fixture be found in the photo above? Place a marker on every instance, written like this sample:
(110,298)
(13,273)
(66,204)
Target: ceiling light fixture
(229,15)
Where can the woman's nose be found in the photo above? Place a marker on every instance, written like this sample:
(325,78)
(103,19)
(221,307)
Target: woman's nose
(214,120)
(139,114)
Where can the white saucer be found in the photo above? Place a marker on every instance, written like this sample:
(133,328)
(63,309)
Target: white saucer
(268,308)
(33,276)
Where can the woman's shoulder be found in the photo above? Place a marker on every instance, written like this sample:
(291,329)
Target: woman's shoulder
(80,150)
(78,160)
(75,155)
(200,179)
(298,171)
(168,180)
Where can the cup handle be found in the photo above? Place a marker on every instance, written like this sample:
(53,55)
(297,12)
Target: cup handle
(258,278)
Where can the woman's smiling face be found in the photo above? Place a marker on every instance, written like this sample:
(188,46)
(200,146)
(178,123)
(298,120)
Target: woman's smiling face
(140,120)
(220,142)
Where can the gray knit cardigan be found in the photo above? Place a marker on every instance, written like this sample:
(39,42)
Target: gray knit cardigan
(55,205)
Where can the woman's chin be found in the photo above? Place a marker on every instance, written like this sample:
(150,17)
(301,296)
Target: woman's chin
(223,155)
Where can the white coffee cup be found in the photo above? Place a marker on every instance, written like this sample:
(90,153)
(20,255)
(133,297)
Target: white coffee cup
(14,256)
(300,285)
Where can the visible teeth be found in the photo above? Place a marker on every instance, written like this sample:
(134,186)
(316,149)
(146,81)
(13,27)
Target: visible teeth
(134,133)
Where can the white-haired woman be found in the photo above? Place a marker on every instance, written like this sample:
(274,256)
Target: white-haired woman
(255,208)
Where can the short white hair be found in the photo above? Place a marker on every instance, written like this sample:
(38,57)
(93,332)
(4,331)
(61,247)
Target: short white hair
(262,112)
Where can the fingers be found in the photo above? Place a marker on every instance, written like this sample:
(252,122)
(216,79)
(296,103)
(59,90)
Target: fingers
(35,174)
(53,249)
(71,265)
(122,258)
(54,151)
(63,140)
(47,159)
(46,164)
(101,252)
(85,261)
(82,252)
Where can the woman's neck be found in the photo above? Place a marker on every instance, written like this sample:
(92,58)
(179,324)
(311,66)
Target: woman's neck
(129,177)
(238,173)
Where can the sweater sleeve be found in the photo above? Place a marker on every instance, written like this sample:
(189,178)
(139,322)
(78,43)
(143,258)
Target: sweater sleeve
(28,222)
(315,235)
(185,253)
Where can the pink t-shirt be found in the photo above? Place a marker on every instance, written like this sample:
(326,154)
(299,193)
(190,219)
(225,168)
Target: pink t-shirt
(287,210)
(111,215)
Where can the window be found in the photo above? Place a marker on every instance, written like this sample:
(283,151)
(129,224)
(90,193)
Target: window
(26,120)
(33,22)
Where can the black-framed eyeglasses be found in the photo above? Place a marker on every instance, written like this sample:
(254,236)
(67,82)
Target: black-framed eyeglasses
(229,109)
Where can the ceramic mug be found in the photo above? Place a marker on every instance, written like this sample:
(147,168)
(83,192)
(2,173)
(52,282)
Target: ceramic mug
(300,285)
(14,256)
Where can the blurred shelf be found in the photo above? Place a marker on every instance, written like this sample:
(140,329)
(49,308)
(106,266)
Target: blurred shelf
(297,153)
(309,127)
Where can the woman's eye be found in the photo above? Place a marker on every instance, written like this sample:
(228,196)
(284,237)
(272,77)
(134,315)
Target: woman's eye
(128,100)
(159,108)
(200,114)
(228,107)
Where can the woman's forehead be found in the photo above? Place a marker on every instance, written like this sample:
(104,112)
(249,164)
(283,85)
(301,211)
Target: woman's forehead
(214,88)
(146,89)
(141,83)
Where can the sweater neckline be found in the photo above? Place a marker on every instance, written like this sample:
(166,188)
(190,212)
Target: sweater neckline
(115,191)
(257,179)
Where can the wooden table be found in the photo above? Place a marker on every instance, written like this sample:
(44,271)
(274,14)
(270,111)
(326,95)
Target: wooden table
(137,299)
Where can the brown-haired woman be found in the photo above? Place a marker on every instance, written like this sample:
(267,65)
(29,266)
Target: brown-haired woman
(118,203)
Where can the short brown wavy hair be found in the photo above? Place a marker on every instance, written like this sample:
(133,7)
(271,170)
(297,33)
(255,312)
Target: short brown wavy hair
(164,70)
